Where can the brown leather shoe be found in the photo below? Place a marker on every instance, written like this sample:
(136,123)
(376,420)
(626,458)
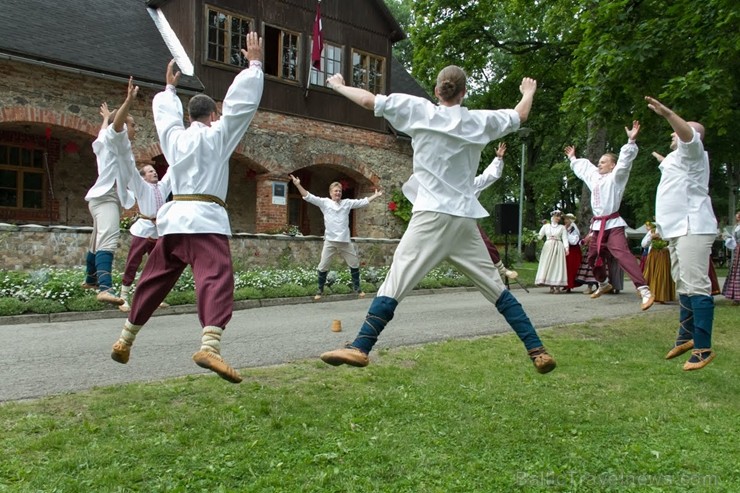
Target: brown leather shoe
(700,361)
(85,285)
(679,349)
(346,356)
(108,297)
(120,352)
(214,362)
(543,362)
(602,290)
(647,301)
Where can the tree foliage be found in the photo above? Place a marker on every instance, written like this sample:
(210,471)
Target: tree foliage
(594,62)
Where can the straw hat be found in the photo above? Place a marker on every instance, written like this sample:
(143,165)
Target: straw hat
(571,217)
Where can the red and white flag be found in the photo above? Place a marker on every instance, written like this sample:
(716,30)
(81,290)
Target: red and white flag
(318,39)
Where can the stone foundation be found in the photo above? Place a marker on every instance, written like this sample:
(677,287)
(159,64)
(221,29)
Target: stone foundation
(29,247)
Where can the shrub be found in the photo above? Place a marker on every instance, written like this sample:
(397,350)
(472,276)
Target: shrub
(11,306)
(248,293)
(84,304)
(181,298)
(40,305)
(287,291)
(428,283)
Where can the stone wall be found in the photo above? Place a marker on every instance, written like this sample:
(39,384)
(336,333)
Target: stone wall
(61,110)
(30,247)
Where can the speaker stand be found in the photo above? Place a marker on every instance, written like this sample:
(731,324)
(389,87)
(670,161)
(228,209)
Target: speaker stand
(506,264)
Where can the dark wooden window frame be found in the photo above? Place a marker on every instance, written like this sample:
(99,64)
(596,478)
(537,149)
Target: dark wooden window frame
(274,69)
(21,171)
(207,42)
(378,87)
(318,77)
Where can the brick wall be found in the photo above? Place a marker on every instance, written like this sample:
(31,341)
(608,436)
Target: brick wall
(32,247)
(33,98)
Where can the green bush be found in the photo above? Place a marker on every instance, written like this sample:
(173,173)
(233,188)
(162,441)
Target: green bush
(40,305)
(340,288)
(84,304)
(181,298)
(248,293)
(287,291)
(428,283)
(11,306)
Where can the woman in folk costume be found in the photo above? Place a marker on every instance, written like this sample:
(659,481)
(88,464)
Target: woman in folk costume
(551,270)
(731,289)
(657,270)
(574,257)
(585,275)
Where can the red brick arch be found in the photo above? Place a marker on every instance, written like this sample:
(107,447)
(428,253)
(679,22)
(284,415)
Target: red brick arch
(346,162)
(31,114)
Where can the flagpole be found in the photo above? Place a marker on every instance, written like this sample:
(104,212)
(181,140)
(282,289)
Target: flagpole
(317,21)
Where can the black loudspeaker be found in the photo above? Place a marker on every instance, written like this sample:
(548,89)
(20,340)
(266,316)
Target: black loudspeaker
(506,219)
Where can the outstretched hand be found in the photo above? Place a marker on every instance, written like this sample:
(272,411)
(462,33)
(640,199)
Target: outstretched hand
(132,90)
(335,80)
(253,53)
(296,181)
(104,111)
(657,106)
(658,156)
(501,150)
(172,77)
(632,133)
(528,86)
(378,193)
(570,151)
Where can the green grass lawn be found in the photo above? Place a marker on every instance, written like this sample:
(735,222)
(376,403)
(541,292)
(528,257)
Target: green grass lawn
(457,416)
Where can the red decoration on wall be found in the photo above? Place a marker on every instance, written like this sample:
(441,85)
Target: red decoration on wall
(71,147)
(346,184)
(48,134)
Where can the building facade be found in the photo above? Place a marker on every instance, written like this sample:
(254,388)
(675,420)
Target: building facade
(65,59)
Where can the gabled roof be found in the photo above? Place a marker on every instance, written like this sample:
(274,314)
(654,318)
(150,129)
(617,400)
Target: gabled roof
(402,81)
(116,38)
(110,37)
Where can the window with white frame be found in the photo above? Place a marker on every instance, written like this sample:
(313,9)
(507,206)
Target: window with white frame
(21,177)
(368,72)
(281,52)
(331,63)
(226,35)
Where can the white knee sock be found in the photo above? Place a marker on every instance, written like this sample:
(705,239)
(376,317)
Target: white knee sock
(128,334)
(211,340)
(125,291)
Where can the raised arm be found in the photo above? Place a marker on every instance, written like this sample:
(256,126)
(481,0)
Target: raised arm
(527,88)
(680,126)
(374,196)
(105,113)
(120,117)
(297,182)
(358,96)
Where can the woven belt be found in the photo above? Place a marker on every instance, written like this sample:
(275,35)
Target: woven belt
(200,197)
(148,218)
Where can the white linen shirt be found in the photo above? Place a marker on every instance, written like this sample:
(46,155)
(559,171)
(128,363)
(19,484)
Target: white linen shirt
(447,143)
(145,193)
(113,165)
(484,180)
(682,202)
(574,236)
(336,215)
(198,156)
(607,189)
